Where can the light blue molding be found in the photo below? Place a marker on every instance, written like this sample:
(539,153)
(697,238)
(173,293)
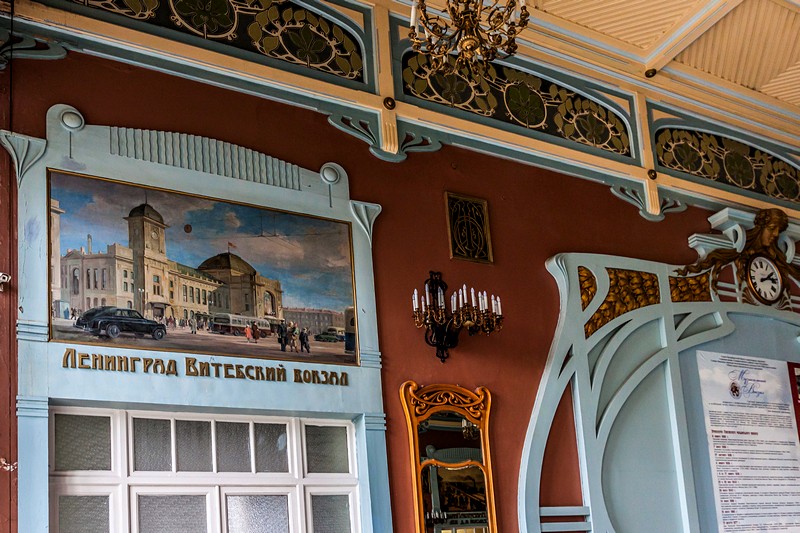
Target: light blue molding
(627,384)
(29,330)
(370,359)
(203,154)
(588,89)
(681,119)
(28,47)
(24,150)
(365,214)
(634,194)
(361,35)
(375,421)
(32,407)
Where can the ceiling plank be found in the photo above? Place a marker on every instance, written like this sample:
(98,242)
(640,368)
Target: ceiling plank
(695,24)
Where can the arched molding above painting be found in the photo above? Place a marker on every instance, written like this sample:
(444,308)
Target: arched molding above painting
(626,327)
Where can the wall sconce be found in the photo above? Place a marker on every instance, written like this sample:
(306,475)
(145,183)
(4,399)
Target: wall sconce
(4,278)
(476,314)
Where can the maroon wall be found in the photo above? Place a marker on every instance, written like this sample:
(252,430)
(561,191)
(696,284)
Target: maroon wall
(534,214)
(8,315)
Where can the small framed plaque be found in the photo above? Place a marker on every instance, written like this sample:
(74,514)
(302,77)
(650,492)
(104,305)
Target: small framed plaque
(468,228)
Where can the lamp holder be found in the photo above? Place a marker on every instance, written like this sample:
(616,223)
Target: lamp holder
(442,328)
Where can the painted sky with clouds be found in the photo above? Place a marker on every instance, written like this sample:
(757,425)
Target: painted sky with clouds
(310,257)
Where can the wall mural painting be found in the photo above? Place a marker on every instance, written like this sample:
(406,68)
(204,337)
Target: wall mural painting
(275,28)
(152,269)
(727,161)
(519,98)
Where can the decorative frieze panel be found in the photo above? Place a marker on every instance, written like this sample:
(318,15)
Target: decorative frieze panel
(727,161)
(520,99)
(277,29)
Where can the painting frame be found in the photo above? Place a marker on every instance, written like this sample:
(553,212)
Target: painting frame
(347,337)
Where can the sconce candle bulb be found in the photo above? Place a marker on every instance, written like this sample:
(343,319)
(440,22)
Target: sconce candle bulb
(442,328)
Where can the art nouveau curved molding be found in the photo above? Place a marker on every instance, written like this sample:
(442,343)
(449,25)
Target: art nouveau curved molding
(28,47)
(365,214)
(605,370)
(636,198)
(24,150)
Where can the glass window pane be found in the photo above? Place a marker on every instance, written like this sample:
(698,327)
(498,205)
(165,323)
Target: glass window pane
(271,451)
(193,445)
(233,447)
(326,449)
(172,513)
(83,514)
(331,514)
(152,445)
(83,442)
(258,513)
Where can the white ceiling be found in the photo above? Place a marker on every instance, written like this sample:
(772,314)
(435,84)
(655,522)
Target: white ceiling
(747,46)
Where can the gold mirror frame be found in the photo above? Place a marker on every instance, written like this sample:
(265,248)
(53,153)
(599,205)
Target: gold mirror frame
(420,404)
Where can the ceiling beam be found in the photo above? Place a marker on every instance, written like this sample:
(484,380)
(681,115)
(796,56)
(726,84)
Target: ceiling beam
(693,25)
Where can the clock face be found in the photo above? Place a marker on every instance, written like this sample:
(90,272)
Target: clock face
(764,279)
(154,234)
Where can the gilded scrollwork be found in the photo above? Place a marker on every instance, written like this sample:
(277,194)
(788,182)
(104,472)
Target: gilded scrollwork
(519,98)
(588,283)
(279,29)
(436,396)
(690,289)
(727,161)
(627,290)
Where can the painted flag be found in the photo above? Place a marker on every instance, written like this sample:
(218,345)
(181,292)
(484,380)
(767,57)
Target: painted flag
(231,245)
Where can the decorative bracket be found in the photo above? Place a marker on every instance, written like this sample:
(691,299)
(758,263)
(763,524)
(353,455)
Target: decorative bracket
(637,198)
(27,47)
(24,150)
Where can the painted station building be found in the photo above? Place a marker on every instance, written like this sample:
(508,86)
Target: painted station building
(141,276)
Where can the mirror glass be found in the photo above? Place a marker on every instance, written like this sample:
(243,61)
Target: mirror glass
(454,499)
(449,430)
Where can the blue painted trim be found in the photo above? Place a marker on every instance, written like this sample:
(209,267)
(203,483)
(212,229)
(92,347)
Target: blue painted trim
(33,331)
(363,36)
(682,119)
(593,91)
(32,407)
(375,421)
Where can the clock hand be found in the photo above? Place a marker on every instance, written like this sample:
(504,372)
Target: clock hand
(770,277)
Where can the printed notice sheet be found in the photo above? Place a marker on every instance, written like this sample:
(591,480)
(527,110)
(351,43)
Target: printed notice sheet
(753,442)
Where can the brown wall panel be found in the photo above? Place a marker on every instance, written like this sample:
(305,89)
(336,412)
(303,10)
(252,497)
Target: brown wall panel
(8,314)
(534,214)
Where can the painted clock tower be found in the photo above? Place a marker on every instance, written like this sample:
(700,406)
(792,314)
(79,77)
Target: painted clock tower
(147,240)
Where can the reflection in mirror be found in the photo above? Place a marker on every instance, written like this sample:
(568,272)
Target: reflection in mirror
(448,429)
(448,437)
(454,499)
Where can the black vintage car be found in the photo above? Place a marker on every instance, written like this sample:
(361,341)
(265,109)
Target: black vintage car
(113,321)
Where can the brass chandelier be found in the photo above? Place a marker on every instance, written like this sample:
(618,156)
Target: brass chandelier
(477,31)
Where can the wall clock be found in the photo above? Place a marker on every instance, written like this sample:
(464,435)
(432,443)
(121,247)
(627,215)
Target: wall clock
(764,279)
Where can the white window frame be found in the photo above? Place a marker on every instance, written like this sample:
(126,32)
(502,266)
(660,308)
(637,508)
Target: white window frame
(295,501)
(211,494)
(124,484)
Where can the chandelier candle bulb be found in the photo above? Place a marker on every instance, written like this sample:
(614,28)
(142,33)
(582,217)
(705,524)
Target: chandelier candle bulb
(413,20)
(427,295)
(499,307)
(472,295)
(441,298)
(415,300)
(453,303)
